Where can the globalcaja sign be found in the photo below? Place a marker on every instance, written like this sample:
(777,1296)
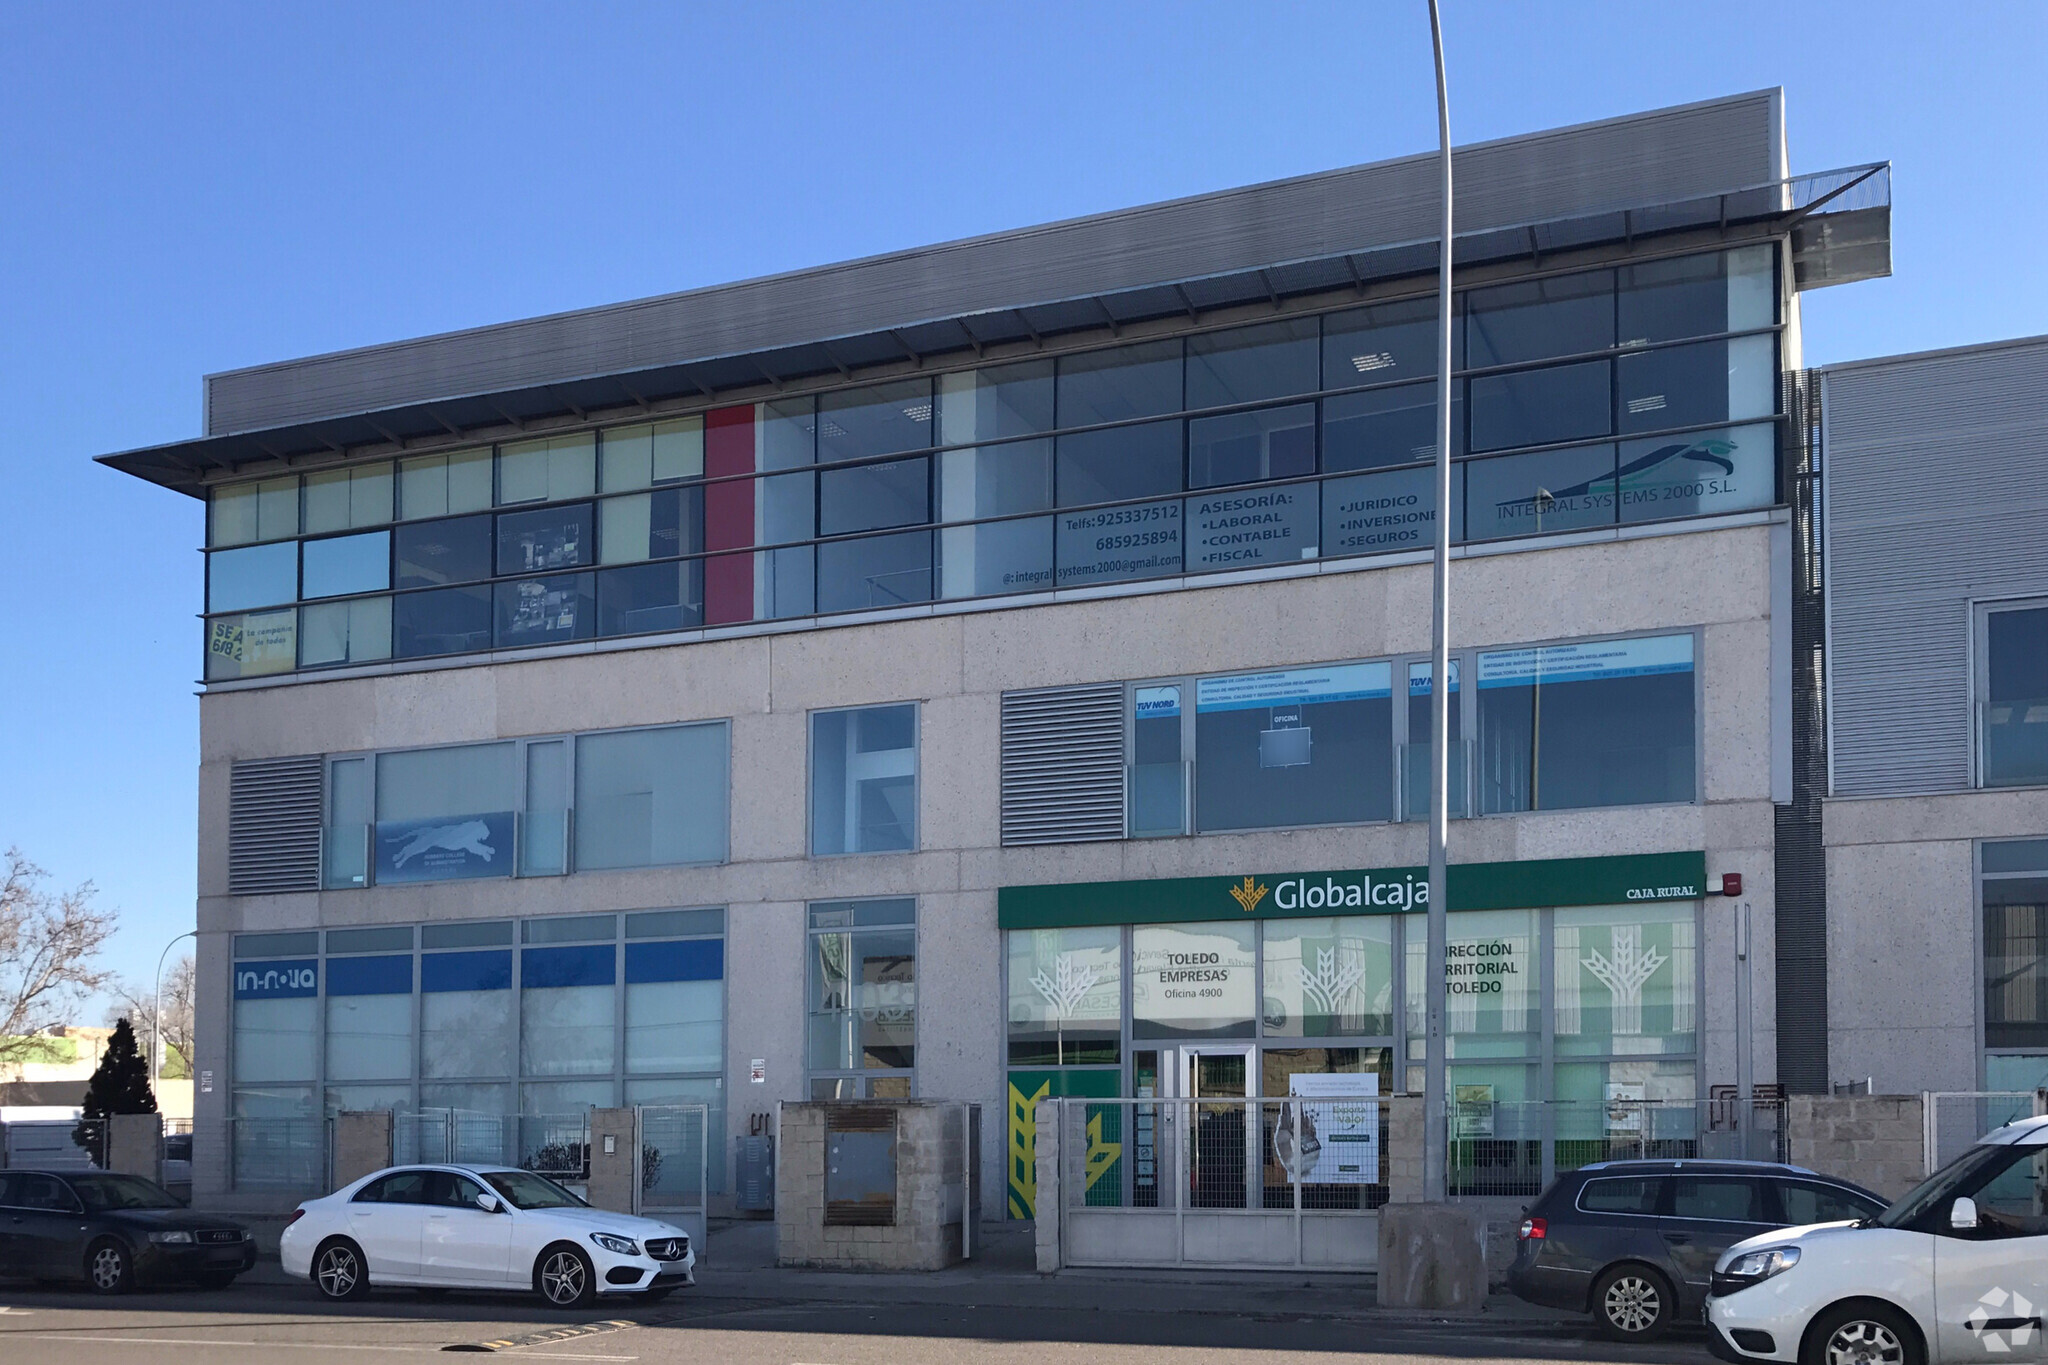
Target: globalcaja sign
(1534,884)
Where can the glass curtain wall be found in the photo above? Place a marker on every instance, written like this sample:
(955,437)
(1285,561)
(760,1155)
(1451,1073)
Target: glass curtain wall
(861,1034)
(1584,400)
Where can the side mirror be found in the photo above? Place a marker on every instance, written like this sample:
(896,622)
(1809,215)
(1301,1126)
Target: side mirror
(1962,1215)
(489,1203)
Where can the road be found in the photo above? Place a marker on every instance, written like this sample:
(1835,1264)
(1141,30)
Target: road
(259,1322)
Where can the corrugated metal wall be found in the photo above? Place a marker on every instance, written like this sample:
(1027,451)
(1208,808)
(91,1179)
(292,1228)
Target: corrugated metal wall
(1937,479)
(1646,159)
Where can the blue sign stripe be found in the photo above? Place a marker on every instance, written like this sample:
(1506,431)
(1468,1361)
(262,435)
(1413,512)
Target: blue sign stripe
(693,960)
(370,975)
(585,965)
(488,970)
(277,980)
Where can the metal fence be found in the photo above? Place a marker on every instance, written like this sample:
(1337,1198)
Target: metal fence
(1953,1119)
(1517,1147)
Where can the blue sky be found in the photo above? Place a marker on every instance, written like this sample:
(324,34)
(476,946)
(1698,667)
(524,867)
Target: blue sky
(192,188)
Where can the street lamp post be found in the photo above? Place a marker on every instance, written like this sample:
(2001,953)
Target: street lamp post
(1435,1112)
(156,1013)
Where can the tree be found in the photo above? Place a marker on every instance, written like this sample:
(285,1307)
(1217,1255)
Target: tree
(49,955)
(120,1085)
(139,1002)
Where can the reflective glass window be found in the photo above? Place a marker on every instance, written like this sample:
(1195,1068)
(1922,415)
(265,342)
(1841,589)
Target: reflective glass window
(1609,723)
(2015,697)
(1536,407)
(656,525)
(552,538)
(1246,447)
(1251,364)
(675,1006)
(1122,462)
(1117,543)
(873,497)
(544,611)
(1066,995)
(1388,512)
(1329,977)
(1309,746)
(875,571)
(1159,771)
(1415,761)
(432,553)
(1696,296)
(788,433)
(466,1018)
(369,1018)
(992,481)
(1492,1002)
(239,513)
(567,1009)
(1550,490)
(439,784)
(276,1040)
(343,499)
(543,821)
(1732,470)
(2016,962)
(251,645)
(995,402)
(864,780)
(1707,381)
(651,797)
(862,991)
(347,564)
(256,576)
(548,470)
(353,632)
(1193,980)
(1623,979)
(882,419)
(1507,324)
(652,454)
(444,485)
(1115,385)
(445,621)
(1383,428)
(1385,342)
(650,597)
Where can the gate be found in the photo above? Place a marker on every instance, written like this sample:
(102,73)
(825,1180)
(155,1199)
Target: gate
(1953,1119)
(673,1167)
(1251,1184)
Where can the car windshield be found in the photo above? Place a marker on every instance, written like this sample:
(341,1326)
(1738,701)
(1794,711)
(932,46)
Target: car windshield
(1963,1174)
(525,1190)
(103,1193)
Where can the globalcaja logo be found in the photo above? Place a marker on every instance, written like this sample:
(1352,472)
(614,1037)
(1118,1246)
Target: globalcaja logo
(1248,893)
(2012,1327)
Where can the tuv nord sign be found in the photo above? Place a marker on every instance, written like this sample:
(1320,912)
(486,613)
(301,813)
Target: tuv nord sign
(1372,891)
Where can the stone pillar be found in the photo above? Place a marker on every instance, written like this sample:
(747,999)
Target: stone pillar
(362,1144)
(1433,1257)
(614,1163)
(135,1145)
(1404,1149)
(799,1179)
(1046,1203)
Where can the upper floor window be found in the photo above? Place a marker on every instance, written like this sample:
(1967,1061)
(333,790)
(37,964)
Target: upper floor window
(2012,704)
(864,780)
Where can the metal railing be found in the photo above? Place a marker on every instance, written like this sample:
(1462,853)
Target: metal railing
(1506,1148)
(1296,1154)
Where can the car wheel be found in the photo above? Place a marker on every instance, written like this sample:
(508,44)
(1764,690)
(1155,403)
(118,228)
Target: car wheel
(108,1269)
(219,1279)
(564,1278)
(339,1272)
(1633,1303)
(1862,1334)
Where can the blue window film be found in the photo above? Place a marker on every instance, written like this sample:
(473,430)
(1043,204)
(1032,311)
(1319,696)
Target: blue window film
(590,965)
(693,960)
(390,975)
(277,980)
(480,971)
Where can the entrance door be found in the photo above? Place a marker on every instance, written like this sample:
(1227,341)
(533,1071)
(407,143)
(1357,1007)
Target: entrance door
(1222,1139)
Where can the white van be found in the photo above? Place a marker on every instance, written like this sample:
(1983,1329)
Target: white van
(1956,1270)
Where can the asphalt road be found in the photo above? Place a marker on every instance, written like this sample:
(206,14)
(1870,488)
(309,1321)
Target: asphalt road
(257,1322)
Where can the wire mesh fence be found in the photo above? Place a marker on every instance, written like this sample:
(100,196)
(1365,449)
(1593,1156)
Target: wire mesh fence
(675,1156)
(1516,1147)
(1955,1119)
(1317,1154)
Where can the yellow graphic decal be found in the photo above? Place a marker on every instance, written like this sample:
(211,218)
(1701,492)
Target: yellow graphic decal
(1248,894)
(1024,1149)
(1101,1155)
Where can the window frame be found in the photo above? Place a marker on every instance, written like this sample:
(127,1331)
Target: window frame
(916,779)
(1982,610)
(864,1075)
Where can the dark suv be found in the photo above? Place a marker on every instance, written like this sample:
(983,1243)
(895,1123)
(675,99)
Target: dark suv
(1634,1242)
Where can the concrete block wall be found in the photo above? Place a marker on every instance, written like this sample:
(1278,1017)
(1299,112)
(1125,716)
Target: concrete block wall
(612,1173)
(1877,1141)
(135,1145)
(930,1176)
(362,1144)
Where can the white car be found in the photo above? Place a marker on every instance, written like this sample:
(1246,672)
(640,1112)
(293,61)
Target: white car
(479,1227)
(1956,1270)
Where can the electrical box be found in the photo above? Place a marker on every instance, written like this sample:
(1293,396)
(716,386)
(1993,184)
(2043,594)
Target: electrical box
(754,1176)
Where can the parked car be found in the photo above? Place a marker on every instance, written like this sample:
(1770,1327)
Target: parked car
(480,1227)
(1634,1242)
(178,1159)
(114,1232)
(1956,1269)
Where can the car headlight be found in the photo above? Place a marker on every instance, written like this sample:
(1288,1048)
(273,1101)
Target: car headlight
(172,1238)
(624,1246)
(1754,1267)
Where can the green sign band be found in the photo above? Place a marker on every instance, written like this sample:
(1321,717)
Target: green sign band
(1374,891)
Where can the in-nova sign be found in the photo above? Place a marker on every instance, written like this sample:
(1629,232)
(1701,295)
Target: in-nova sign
(1532,884)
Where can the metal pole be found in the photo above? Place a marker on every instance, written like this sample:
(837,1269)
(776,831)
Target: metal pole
(156,1014)
(1435,1115)
(1745,1061)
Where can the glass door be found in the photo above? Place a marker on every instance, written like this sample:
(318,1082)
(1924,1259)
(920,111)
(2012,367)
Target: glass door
(1220,1158)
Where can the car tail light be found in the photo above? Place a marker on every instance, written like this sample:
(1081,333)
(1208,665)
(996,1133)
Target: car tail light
(1534,1229)
(299,1213)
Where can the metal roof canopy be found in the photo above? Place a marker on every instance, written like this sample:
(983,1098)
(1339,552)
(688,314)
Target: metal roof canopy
(1839,221)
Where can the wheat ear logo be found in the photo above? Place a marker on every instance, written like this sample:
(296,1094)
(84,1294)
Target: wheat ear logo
(1248,893)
